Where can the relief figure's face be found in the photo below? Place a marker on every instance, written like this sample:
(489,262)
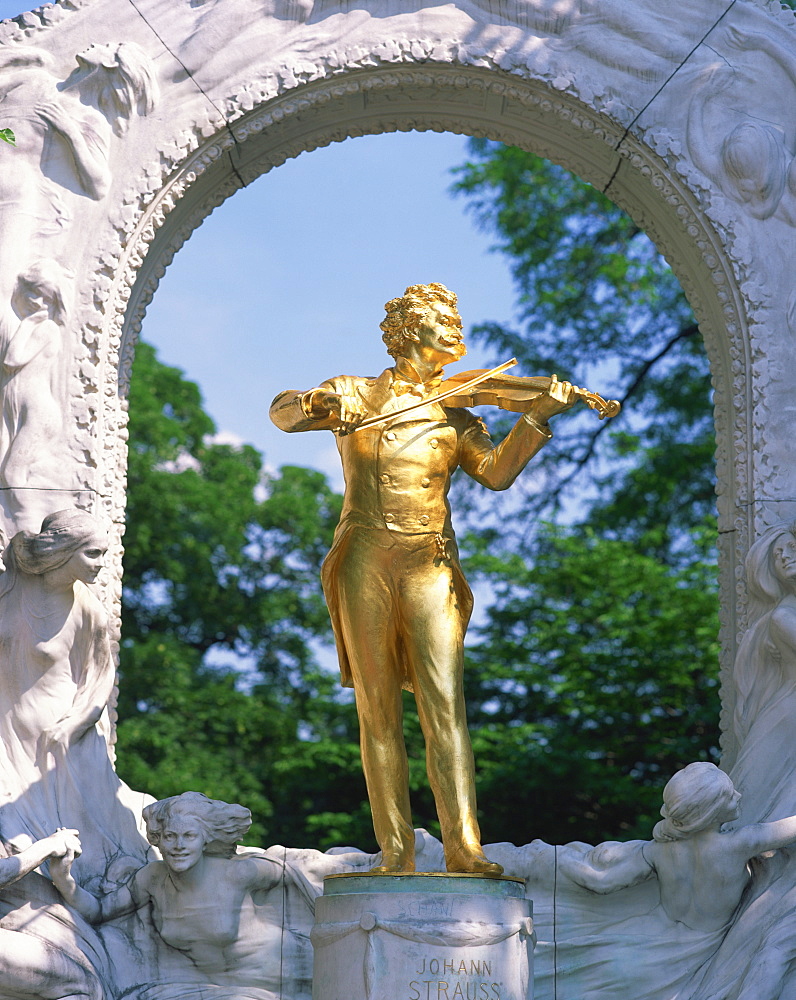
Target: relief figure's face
(783,558)
(86,563)
(98,55)
(182,843)
(27,300)
(733,810)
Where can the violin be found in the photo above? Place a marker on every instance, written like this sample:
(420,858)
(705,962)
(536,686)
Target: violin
(492,387)
(515,392)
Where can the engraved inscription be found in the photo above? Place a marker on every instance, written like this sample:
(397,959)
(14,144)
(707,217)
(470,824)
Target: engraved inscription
(454,979)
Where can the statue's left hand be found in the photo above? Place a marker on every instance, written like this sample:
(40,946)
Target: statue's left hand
(52,113)
(61,864)
(560,396)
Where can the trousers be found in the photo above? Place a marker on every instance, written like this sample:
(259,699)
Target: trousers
(402,618)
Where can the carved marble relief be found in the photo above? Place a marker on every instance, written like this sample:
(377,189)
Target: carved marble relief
(644,920)
(64,129)
(34,366)
(214,922)
(45,948)
(740,143)
(57,678)
(66,126)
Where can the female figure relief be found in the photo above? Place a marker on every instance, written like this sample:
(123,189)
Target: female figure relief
(203,900)
(757,960)
(57,677)
(702,871)
(754,161)
(33,391)
(765,679)
(52,956)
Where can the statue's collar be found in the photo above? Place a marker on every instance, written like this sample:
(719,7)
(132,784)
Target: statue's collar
(406,379)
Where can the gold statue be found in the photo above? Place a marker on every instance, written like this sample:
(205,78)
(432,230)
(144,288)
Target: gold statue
(397,596)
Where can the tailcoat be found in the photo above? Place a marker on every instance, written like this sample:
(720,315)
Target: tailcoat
(397,597)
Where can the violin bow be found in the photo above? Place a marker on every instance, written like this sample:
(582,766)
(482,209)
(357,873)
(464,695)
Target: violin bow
(455,391)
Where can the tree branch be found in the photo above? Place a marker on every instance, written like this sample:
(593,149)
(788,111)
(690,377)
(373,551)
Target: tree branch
(641,374)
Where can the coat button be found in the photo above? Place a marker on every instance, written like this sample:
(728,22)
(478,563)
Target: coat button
(384,478)
(424,519)
(425,482)
(389,436)
(389,518)
(433,442)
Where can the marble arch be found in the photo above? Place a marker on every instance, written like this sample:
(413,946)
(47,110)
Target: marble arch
(682,114)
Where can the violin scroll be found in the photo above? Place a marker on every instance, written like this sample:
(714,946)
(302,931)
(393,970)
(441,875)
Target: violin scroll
(605,408)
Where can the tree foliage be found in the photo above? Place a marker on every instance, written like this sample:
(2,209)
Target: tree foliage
(593,672)
(221,690)
(599,306)
(591,680)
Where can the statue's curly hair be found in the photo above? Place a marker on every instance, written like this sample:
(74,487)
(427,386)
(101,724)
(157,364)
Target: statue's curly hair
(407,312)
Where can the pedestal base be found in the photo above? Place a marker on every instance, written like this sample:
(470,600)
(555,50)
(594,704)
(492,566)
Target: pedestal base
(422,937)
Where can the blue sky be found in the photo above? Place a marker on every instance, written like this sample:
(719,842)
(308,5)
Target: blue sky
(284,285)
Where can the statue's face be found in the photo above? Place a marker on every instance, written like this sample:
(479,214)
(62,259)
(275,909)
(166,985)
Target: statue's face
(86,563)
(182,843)
(783,557)
(439,336)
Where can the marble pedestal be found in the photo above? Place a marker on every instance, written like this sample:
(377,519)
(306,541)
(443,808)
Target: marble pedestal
(422,937)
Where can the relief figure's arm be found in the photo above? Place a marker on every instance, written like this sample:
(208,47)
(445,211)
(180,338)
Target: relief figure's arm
(782,629)
(89,152)
(607,867)
(118,903)
(751,40)
(703,144)
(20,65)
(28,341)
(261,873)
(756,838)
(57,845)
(94,686)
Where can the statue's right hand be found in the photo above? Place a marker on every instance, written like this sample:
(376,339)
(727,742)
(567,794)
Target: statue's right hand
(349,408)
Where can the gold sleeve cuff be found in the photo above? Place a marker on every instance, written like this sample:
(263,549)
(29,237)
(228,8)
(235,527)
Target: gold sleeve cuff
(306,403)
(542,428)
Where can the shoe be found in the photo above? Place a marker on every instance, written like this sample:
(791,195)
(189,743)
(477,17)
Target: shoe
(393,864)
(471,862)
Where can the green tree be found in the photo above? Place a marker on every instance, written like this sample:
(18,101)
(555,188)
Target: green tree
(221,690)
(593,672)
(592,679)
(598,305)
